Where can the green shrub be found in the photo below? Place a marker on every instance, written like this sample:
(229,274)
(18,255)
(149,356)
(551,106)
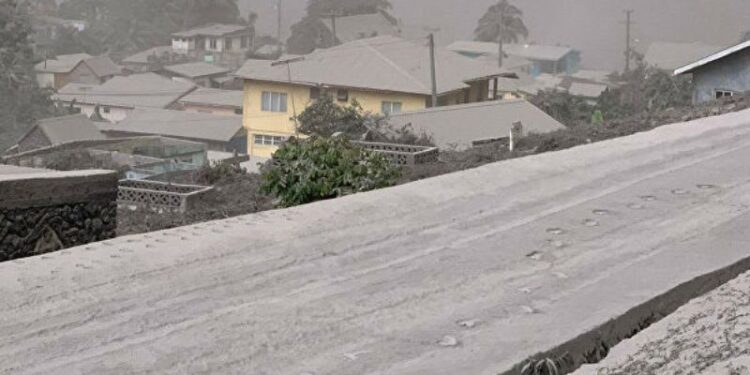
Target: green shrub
(307,170)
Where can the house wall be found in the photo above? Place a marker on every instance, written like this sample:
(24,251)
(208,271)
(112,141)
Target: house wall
(34,140)
(116,114)
(731,73)
(280,124)
(81,74)
(45,80)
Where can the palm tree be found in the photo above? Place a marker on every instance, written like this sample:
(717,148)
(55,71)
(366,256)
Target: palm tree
(503,23)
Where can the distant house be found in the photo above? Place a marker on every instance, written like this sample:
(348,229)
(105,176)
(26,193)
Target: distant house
(58,130)
(363,26)
(146,61)
(200,73)
(215,43)
(588,91)
(724,73)
(117,97)
(213,101)
(385,75)
(76,68)
(543,58)
(670,56)
(219,133)
(467,125)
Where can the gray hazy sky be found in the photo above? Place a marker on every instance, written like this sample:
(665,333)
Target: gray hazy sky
(593,26)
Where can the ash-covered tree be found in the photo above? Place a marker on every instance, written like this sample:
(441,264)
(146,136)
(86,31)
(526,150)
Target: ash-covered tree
(21,99)
(502,23)
(311,33)
(308,170)
(325,117)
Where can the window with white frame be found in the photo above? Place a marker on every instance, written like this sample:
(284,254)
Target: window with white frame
(212,43)
(268,140)
(391,108)
(723,93)
(273,101)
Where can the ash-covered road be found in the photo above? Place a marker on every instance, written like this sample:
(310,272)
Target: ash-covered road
(468,273)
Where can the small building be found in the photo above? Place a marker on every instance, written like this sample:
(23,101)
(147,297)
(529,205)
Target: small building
(57,130)
(199,73)
(213,101)
(219,133)
(669,56)
(119,96)
(151,59)
(385,75)
(362,26)
(76,68)
(544,58)
(464,126)
(724,73)
(215,43)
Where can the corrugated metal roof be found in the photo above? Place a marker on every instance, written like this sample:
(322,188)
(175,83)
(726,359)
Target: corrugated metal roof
(61,64)
(103,66)
(362,26)
(458,126)
(199,126)
(670,56)
(215,30)
(526,51)
(196,69)
(143,56)
(383,63)
(67,129)
(138,90)
(710,59)
(215,97)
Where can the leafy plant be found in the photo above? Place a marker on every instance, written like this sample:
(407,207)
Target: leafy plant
(544,366)
(307,170)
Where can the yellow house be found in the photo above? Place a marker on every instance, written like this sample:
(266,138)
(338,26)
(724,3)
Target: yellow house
(386,75)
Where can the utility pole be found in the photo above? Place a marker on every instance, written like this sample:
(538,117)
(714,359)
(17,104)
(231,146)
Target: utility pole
(432,70)
(278,25)
(628,48)
(333,16)
(288,63)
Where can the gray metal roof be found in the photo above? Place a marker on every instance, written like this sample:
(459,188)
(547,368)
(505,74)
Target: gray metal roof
(181,124)
(147,90)
(65,129)
(215,30)
(215,97)
(712,58)
(142,57)
(458,126)
(103,66)
(196,69)
(61,63)
(670,56)
(362,26)
(526,51)
(383,63)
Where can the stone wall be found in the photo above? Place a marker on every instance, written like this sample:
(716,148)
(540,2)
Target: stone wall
(43,211)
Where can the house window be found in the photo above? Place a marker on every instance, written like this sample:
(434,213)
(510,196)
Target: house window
(228,44)
(724,93)
(212,43)
(342,95)
(267,140)
(391,108)
(314,93)
(106,109)
(238,111)
(243,42)
(273,102)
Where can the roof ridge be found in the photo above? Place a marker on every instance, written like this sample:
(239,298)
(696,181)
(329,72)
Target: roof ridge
(458,107)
